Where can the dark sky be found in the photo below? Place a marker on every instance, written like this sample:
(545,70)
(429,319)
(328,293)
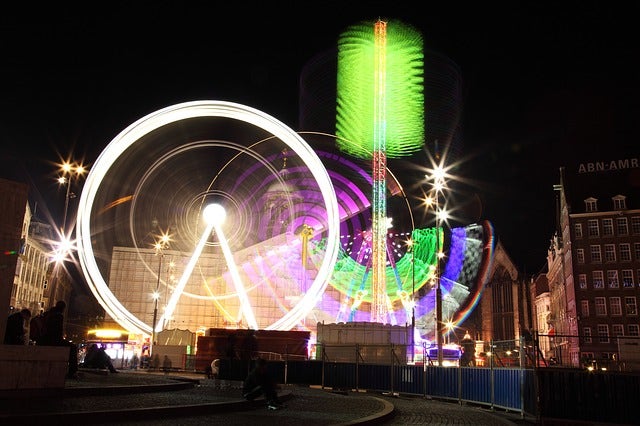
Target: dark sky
(545,83)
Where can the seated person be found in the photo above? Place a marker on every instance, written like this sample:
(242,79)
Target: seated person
(96,357)
(259,382)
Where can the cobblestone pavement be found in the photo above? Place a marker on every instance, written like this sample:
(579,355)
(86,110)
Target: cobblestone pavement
(318,407)
(94,399)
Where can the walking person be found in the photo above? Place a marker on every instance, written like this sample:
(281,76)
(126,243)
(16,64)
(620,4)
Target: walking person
(166,364)
(16,331)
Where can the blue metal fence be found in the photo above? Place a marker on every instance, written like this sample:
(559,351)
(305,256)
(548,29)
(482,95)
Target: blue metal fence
(550,393)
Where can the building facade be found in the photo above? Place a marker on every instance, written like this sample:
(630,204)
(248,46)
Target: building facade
(594,262)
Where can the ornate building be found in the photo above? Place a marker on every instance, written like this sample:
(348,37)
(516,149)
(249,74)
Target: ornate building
(594,262)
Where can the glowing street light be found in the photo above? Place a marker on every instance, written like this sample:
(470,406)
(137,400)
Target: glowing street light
(64,247)
(449,326)
(437,177)
(69,171)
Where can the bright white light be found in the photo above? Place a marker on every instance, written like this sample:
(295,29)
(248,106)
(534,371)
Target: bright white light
(214,214)
(438,174)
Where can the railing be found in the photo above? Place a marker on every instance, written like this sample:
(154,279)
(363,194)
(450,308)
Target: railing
(552,392)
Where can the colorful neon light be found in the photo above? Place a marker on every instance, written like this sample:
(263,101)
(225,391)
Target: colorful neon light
(372,89)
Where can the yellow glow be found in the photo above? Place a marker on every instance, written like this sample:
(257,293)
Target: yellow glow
(107,333)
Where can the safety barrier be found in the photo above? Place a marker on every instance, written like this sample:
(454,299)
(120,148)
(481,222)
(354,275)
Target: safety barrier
(545,393)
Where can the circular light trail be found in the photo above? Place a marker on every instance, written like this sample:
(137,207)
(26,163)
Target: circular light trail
(197,109)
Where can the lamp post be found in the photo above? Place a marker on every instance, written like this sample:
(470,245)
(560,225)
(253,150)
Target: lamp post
(68,170)
(441,215)
(413,299)
(160,245)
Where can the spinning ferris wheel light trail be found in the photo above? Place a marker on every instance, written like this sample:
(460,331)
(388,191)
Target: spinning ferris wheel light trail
(214,215)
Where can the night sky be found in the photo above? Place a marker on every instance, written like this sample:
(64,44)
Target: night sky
(545,84)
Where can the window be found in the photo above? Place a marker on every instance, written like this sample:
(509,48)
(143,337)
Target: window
(635,225)
(603,333)
(598,279)
(615,305)
(619,202)
(622,226)
(636,250)
(627,278)
(591,205)
(607,227)
(610,253)
(625,252)
(592,227)
(596,255)
(582,280)
(584,308)
(612,278)
(580,256)
(633,330)
(617,330)
(630,305)
(587,334)
(577,229)
(601,307)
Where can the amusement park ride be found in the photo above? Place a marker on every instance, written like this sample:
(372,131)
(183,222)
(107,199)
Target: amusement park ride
(273,233)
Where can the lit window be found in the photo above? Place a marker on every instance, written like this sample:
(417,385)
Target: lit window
(582,280)
(601,307)
(622,226)
(619,202)
(593,228)
(612,278)
(584,308)
(577,229)
(625,252)
(630,305)
(616,306)
(617,330)
(598,279)
(610,253)
(603,333)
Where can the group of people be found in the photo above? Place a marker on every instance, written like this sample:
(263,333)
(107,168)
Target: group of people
(48,329)
(45,329)
(97,357)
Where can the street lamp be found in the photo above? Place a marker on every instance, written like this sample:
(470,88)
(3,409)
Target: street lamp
(69,171)
(450,327)
(413,298)
(441,215)
(64,247)
(160,245)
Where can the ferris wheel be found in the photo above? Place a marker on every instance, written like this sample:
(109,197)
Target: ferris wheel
(216,177)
